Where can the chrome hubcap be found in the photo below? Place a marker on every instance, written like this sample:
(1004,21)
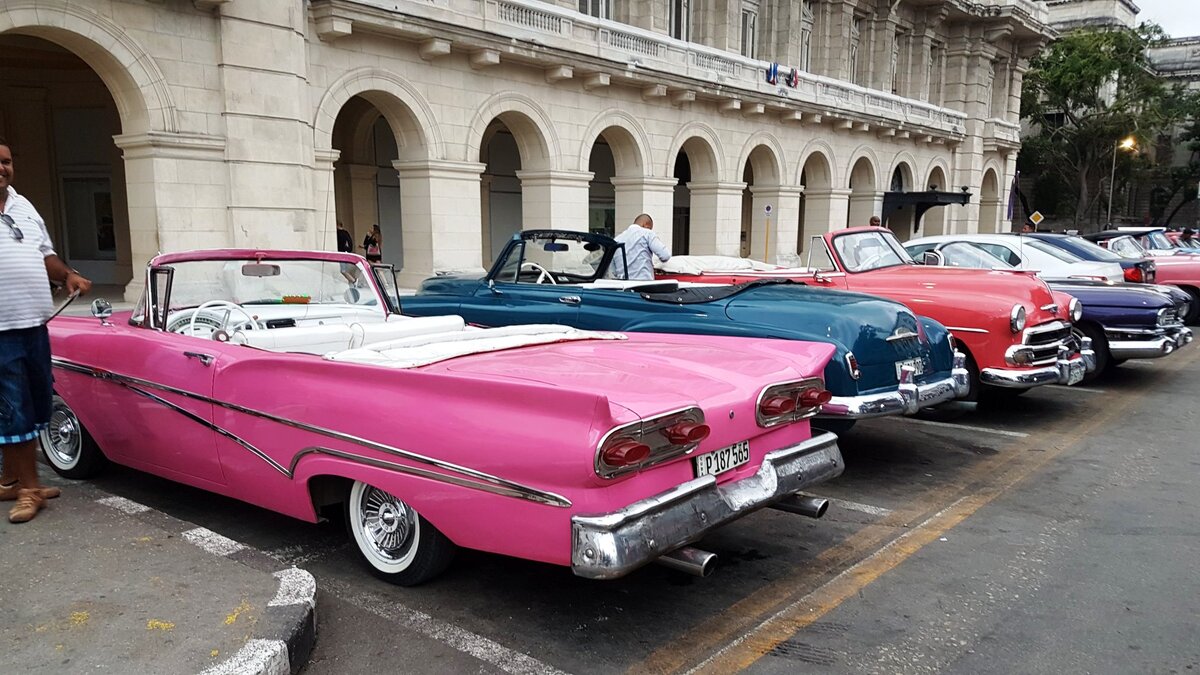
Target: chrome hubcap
(387,523)
(62,434)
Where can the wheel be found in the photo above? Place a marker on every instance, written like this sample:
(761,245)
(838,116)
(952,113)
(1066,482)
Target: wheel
(1104,361)
(838,427)
(67,446)
(397,543)
(1193,313)
(974,384)
(543,273)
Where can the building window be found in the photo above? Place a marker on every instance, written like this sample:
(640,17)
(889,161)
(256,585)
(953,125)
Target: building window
(933,74)
(807,20)
(895,62)
(749,30)
(681,19)
(601,9)
(855,40)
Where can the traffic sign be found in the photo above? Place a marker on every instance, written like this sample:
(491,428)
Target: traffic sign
(767,209)
(1036,217)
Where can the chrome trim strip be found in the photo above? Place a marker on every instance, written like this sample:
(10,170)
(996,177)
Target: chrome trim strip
(488,482)
(960,329)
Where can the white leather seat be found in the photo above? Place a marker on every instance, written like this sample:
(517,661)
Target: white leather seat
(372,333)
(301,339)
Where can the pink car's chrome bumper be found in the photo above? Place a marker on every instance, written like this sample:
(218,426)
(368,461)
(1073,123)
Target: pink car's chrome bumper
(613,544)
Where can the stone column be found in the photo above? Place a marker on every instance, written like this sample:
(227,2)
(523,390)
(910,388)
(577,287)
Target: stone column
(554,200)
(716,215)
(862,206)
(645,194)
(768,244)
(326,217)
(440,217)
(177,196)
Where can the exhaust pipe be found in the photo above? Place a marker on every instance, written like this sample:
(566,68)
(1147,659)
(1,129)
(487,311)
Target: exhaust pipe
(813,507)
(691,560)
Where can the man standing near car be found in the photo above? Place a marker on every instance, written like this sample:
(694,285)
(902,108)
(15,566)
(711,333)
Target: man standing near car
(27,264)
(641,245)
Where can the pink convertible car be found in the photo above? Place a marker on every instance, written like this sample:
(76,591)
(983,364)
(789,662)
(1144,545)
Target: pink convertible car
(290,380)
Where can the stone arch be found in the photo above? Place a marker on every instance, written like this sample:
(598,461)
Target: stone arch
(405,109)
(936,164)
(989,201)
(933,223)
(764,153)
(860,153)
(704,151)
(137,85)
(624,135)
(531,128)
(862,177)
(907,164)
(901,178)
(819,174)
(761,164)
(819,202)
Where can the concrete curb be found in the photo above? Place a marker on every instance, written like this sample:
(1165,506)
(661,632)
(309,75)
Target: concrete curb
(289,623)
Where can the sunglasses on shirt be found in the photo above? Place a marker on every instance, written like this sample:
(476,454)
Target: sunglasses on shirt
(12,226)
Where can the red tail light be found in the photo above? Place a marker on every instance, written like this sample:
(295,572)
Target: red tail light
(1134,274)
(685,432)
(626,453)
(777,405)
(811,398)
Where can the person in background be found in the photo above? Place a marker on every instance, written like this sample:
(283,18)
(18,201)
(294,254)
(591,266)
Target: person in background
(641,245)
(373,245)
(1187,238)
(28,264)
(345,242)
(874,222)
(1028,227)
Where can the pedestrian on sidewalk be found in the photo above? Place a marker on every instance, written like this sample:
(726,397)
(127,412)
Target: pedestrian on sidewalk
(373,245)
(27,264)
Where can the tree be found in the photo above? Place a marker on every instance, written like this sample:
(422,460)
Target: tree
(1082,95)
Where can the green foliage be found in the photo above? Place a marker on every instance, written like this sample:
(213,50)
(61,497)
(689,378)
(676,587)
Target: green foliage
(1082,95)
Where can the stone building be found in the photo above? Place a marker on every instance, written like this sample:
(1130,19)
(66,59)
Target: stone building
(153,125)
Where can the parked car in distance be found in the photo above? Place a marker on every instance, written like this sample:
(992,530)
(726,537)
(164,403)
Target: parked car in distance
(1181,271)
(288,379)
(1015,330)
(888,360)
(1154,240)
(1024,253)
(1134,270)
(1124,321)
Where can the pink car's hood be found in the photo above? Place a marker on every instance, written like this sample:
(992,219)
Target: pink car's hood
(652,371)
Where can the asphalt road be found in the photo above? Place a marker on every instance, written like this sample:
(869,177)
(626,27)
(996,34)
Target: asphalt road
(1058,534)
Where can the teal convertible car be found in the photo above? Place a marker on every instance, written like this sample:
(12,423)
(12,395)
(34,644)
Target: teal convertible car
(889,361)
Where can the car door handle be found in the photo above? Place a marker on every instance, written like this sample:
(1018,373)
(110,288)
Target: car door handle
(206,359)
(570,299)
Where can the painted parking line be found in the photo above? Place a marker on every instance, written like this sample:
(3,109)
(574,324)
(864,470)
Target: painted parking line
(216,544)
(965,427)
(463,640)
(745,649)
(862,508)
(716,633)
(1076,387)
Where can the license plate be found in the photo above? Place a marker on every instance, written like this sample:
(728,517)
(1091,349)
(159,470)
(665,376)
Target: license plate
(722,460)
(918,366)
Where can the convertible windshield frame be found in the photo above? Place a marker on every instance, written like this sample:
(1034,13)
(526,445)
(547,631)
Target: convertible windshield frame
(611,253)
(889,241)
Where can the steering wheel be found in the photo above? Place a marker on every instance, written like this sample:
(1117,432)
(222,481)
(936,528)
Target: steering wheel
(543,273)
(220,325)
(866,264)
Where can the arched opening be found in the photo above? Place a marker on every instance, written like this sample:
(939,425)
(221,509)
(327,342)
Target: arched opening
(864,198)
(989,203)
(500,188)
(612,205)
(60,117)
(900,221)
(761,203)
(602,198)
(933,223)
(816,201)
(695,204)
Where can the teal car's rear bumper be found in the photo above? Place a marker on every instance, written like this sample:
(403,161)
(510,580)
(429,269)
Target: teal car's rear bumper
(907,399)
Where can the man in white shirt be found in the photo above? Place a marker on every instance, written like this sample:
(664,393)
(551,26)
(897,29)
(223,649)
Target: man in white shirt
(27,265)
(641,245)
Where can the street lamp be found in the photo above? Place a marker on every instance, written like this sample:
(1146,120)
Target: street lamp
(1127,143)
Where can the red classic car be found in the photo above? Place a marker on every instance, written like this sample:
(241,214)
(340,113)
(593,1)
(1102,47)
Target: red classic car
(1015,331)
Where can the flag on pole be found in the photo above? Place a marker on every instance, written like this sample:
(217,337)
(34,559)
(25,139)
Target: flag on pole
(1012,195)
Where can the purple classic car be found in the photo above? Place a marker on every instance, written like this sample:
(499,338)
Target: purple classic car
(288,380)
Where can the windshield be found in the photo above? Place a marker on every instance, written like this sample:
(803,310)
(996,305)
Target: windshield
(1096,251)
(557,259)
(959,254)
(1126,247)
(275,282)
(1051,250)
(864,251)
(1158,240)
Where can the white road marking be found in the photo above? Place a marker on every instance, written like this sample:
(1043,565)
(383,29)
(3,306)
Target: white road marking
(965,427)
(212,542)
(1086,390)
(256,657)
(296,587)
(855,506)
(463,640)
(124,505)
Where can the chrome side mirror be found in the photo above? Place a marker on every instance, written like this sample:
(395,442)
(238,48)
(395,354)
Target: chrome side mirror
(933,259)
(101,309)
(493,289)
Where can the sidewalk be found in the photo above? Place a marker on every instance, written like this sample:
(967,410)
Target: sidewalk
(102,584)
